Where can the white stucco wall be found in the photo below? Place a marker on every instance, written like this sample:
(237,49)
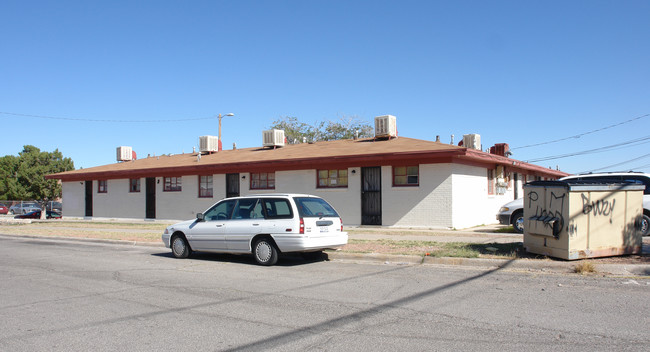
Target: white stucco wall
(427,205)
(73,198)
(472,205)
(184,205)
(118,202)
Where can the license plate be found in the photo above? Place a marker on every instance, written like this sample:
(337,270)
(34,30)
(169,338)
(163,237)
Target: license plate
(324,229)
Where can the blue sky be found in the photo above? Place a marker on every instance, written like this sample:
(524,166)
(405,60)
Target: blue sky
(516,72)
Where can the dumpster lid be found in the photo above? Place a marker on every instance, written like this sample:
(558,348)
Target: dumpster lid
(591,185)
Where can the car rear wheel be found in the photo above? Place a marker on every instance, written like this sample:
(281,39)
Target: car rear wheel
(518,221)
(180,248)
(265,252)
(645,225)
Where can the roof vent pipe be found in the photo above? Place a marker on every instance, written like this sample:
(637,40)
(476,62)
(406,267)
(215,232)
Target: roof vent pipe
(437,138)
(452,139)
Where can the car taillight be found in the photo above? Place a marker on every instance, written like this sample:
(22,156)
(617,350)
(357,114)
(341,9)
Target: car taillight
(341,220)
(302,226)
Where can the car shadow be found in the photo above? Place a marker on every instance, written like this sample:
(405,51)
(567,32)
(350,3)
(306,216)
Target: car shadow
(287,259)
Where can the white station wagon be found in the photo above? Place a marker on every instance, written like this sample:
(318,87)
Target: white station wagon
(264,225)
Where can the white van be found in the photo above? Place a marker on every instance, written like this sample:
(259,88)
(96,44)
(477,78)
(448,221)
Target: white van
(264,225)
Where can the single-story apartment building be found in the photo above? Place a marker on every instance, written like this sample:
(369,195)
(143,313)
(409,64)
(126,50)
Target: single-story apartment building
(395,182)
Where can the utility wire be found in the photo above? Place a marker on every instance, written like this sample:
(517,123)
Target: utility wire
(618,164)
(581,134)
(627,144)
(641,167)
(105,120)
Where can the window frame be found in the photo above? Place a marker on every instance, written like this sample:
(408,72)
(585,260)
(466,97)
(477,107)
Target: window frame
(407,175)
(102,186)
(207,190)
(329,178)
(253,178)
(176,186)
(137,184)
(491,180)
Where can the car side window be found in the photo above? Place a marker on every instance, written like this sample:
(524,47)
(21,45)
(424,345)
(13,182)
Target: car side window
(277,208)
(247,208)
(221,211)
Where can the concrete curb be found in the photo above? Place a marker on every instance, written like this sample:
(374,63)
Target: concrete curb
(537,265)
(92,240)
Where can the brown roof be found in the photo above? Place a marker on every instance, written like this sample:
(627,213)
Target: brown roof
(319,155)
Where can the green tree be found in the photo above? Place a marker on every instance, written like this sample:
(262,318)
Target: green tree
(23,177)
(345,128)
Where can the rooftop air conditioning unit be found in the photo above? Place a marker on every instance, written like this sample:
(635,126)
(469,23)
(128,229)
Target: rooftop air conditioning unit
(208,144)
(273,138)
(385,126)
(472,141)
(124,153)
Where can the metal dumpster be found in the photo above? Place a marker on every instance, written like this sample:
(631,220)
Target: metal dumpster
(582,219)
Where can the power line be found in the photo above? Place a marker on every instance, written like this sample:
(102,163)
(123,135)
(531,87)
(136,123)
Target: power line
(627,144)
(106,120)
(640,167)
(581,134)
(618,164)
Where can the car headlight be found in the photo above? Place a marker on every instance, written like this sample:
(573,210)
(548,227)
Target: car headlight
(166,231)
(504,209)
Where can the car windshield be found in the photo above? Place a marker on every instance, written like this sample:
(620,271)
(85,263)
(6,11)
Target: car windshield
(314,207)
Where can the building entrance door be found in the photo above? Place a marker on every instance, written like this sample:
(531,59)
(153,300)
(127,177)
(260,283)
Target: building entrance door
(232,185)
(150,198)
(371,195)
(89,198)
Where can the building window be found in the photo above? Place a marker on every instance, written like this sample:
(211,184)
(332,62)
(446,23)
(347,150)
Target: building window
(205,186)
(332,178)
(102,186)
(406,176)
(263,180)
(134,185)
(172,184)
(490,179)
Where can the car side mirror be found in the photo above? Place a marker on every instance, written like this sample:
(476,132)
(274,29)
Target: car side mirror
(200,217)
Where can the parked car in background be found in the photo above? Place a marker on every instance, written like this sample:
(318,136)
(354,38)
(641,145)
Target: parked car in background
(54,206)
(512,213)
(263,225)
(23,208)
(3,209)
(36,214)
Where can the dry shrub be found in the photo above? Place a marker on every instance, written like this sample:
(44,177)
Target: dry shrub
(584,267)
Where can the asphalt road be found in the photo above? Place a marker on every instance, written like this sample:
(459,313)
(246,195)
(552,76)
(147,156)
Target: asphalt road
(70,296)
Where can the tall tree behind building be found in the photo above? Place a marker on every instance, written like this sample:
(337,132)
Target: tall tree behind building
(345,128)
(22,177)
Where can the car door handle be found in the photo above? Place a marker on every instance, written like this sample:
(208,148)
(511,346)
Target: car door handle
(256,224)
(219,225)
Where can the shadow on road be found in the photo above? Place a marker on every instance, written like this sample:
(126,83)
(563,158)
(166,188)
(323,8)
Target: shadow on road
(289,337)
(285,260)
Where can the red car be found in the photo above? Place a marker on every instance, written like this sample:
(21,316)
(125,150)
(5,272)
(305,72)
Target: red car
(36,214)
(3,209)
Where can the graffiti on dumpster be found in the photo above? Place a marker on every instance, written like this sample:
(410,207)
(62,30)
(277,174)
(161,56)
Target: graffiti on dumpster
(550,215)
(599,207)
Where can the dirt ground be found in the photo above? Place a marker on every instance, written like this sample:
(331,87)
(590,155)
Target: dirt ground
(387,248)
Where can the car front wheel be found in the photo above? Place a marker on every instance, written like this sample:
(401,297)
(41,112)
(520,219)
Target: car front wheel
(180,248)
(518,221)
(265,252)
